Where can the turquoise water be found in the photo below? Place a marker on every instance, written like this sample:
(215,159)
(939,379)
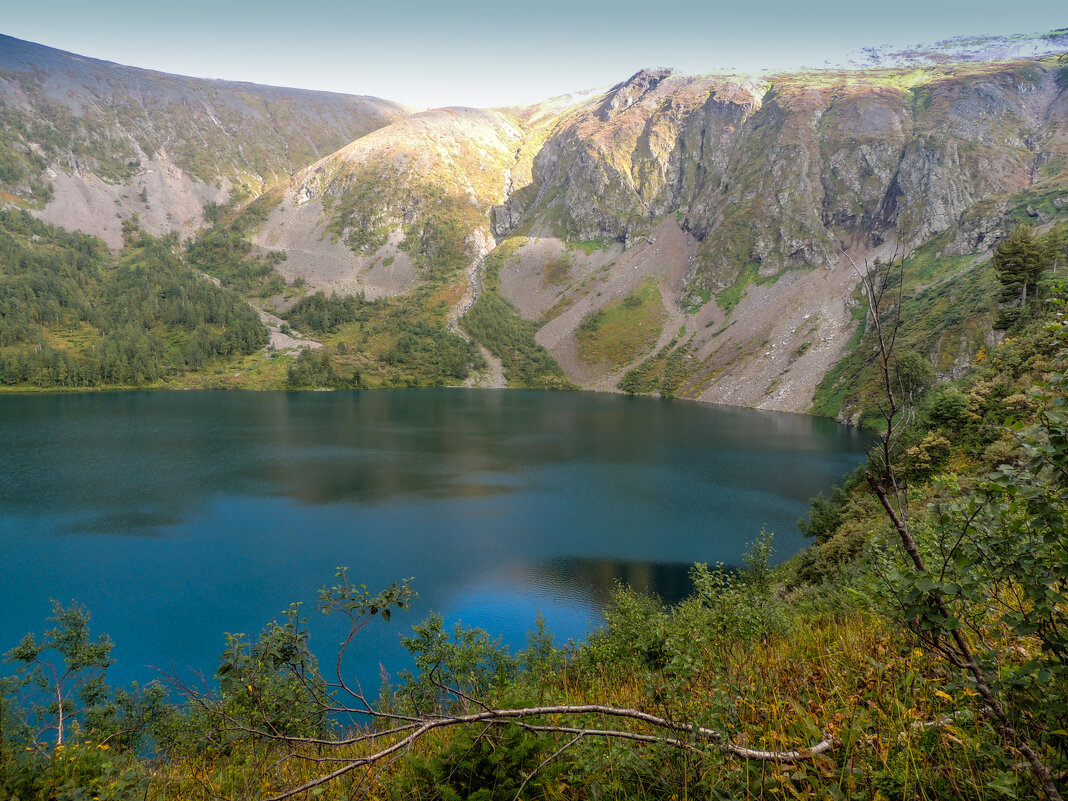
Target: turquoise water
(176,517)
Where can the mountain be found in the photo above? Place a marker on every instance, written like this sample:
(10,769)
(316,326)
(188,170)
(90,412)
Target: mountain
(91,143)
(760,188)
(419,193)
(696,236)
(720,215)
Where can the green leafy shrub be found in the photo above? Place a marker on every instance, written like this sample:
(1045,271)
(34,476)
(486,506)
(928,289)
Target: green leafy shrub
(274,682)
(312,368)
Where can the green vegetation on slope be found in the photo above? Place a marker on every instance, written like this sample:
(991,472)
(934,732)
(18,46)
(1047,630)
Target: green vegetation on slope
(376,198)
(663,373)
(624,329)
(224,251)
(945,319)
(360,217)
(21,167)
(72,315)
(437,240)
(498,325)
(389,342)
(948,306)
(32,139)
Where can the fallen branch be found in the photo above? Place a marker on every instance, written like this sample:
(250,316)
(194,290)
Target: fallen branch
(518,717)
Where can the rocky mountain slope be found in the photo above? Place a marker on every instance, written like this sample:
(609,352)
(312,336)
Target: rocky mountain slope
(415,194)
(740,205)
(689,235)
(91,143)
(777,183)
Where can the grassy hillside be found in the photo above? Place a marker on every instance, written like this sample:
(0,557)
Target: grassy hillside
(624,329)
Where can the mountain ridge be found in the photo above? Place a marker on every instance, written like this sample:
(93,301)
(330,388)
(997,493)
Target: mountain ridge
(122,136)
(720,214)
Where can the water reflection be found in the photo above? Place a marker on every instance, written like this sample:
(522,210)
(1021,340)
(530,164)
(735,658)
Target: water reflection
(670,582)
(178,516)
(165,453)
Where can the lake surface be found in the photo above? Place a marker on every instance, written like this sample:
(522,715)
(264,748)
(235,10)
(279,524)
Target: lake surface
(176,517)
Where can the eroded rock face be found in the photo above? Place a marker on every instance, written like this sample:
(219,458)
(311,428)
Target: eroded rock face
(772,179)
(161,194)
(765,189)
(779,174)
(624,95)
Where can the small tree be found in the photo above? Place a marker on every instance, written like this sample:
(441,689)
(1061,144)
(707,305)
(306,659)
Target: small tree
(911,374)
(67,666)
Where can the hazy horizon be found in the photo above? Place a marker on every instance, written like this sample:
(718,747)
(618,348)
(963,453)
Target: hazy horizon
(475,54)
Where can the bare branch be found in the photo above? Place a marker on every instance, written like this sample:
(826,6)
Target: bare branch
(949,640)
(516,716)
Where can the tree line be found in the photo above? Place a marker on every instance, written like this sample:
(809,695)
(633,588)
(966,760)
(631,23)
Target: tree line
(74,315)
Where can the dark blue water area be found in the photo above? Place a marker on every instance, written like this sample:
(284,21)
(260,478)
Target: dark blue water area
(178,517)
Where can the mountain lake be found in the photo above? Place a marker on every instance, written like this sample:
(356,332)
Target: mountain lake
(176,517)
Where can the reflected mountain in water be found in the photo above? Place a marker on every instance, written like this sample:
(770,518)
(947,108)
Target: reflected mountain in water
(178,516)
(669,582)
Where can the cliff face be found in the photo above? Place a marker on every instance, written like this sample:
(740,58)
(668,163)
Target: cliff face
(778,174)
(722,216)
(781,186)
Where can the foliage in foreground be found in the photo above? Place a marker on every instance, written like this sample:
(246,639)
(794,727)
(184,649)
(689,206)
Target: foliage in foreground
(767,670)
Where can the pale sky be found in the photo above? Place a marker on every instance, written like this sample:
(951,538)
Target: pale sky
(427,53)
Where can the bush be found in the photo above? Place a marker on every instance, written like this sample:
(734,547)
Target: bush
(312,368)
(727,610)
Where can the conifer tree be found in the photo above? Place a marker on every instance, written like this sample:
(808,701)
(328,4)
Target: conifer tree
(1019,263)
